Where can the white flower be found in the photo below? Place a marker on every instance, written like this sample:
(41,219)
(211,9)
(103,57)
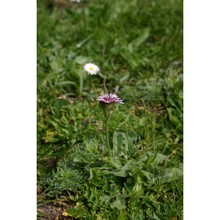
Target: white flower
(91,68)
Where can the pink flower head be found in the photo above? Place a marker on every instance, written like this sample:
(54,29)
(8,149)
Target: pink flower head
(110,98)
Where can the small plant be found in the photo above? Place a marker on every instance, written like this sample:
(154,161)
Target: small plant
(106,102)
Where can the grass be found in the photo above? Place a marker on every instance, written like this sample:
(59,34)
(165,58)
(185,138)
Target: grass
(138,47)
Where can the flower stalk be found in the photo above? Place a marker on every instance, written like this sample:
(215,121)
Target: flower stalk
(80,85)
(106,102)
(91,69)
(106,123)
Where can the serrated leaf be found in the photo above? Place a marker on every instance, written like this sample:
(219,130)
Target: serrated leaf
(118,205)
(78,212)
(105,199)
(120,141)
(171,174)
(123,171)
(86,158)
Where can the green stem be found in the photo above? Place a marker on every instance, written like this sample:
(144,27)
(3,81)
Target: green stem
(104,83)
(80,85)
(106,122)
(107,135)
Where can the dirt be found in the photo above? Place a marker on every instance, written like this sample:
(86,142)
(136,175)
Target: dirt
(52,212)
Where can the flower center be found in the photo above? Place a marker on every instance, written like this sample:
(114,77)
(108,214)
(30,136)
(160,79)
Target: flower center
(109,99)
(91,68)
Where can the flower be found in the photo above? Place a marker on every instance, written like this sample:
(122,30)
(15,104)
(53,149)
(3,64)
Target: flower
(91,68)
(110,98)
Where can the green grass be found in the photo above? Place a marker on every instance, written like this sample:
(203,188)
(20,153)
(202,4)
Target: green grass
(138,45)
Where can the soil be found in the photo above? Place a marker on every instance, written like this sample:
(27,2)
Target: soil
(52,212)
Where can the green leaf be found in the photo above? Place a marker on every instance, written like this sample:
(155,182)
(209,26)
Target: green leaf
(120,142)
(171,174)
(86,158)
(139,40)
(67,83)
(173,118)
(105,199)
(81,60)
(124,77)
(123,171)
(118,204)
(157,158)
(78,212)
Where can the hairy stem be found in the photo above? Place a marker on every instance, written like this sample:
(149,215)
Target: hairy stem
(107,135)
